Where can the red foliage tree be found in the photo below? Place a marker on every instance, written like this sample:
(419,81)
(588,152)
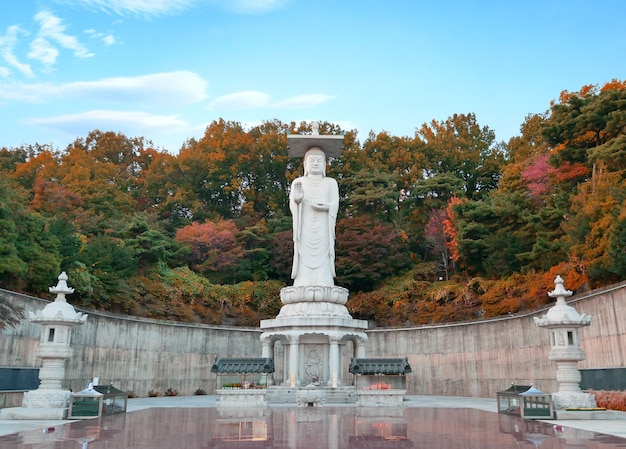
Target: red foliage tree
(450,230)
(213,245)
(435,235)
(536,175)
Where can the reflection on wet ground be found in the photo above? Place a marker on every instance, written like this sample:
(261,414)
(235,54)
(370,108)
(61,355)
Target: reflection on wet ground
(310,428)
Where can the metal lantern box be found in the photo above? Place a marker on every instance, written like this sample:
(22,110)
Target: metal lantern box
(525,401)
(97,400)
(86,404)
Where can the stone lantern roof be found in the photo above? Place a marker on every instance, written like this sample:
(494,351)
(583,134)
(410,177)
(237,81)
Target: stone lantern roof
(59,311)
(561,314)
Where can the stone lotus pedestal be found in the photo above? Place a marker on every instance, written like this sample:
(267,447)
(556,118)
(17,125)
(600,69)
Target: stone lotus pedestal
(50,400)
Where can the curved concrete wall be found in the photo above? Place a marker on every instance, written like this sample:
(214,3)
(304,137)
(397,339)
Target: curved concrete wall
(465,359)
(136,354)
(480,358)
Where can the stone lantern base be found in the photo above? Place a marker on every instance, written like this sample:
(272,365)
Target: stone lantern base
(40,404)
(573,399)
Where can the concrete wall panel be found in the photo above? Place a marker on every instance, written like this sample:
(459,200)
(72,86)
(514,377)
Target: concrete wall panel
(466,359)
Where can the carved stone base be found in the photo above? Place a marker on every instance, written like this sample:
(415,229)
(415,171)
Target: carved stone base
(40,404)
(573,399)
(44,398)
(23,413)
(242,398)
(380,398)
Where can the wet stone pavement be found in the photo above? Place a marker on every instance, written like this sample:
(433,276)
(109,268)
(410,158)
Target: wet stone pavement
(310,428)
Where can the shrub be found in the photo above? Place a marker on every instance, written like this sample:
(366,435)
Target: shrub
(153,394)
(200,392)
(610,400)
(171,392)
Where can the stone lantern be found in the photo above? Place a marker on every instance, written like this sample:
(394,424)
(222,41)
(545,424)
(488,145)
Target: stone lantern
(563,322)
(50,400)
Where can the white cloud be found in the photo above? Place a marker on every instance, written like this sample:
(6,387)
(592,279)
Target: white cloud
(42,50)
(51,28)
(152,8)
(166,131)
(7,44)
(255,99)
(303,101)
(157,8)
(170,89)
(240,100)
(108,39)
(108,119)
(250,6)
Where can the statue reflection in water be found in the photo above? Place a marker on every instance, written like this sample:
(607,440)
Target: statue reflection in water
(308,428)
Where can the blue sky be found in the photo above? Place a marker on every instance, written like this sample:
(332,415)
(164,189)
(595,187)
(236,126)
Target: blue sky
(165,69)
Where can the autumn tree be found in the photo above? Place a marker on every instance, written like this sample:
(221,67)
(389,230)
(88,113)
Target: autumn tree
(214,250)
(157,185)
(101,272)
(372,193)
(11,158)
(399,158)
(583,124)
(29,257)
(282,255)
(148,243)
(264,186)
(368,251)
(40,165)
(587,131)
(436,191)
(459,145)
(475,224)
(437,241)
(256,243)
(98,185)
(12,203)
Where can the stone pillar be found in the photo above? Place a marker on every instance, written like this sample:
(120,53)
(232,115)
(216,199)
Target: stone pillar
(563,322)
(333,363)
(266,348)
(293,361)
(359,348)
(267,351)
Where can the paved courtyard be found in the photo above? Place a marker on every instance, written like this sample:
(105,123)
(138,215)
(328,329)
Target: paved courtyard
(426,422)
